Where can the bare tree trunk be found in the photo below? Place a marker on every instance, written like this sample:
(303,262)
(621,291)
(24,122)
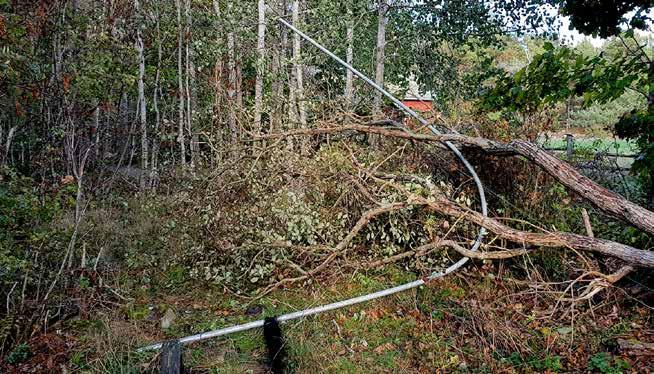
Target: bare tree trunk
(96,128)
(261,51)
(292,86)
(297,66)
(189,75)
(143,180)
(10,137)
(349,57)
(279,73)
(154,175)
(231,66)
(380,53)
(218,77)
(239,78)
(180,85)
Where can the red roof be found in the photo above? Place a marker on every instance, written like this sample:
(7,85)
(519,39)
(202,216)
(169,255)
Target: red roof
(418,105)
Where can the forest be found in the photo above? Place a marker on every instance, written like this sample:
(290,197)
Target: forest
(461,186)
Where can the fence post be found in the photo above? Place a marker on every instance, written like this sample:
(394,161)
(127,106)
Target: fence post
(569,146)
(171,357)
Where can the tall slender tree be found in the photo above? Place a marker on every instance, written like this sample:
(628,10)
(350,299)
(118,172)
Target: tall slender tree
(143,183)
(380,52)
(261,58)
(181,138)
(349,56)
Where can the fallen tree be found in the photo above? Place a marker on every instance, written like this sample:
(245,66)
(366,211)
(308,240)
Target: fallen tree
(604,199)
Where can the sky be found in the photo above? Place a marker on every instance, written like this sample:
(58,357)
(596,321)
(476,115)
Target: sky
(574,37)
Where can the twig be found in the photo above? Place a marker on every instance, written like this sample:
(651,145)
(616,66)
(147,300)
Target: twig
(338,331)
(341,248)
(586,218)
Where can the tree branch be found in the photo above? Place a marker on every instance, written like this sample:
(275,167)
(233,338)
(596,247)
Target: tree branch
(605,200)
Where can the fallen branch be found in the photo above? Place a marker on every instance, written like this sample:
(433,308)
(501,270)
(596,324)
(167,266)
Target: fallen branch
(426,248)
(605,200)
(341,248)
(624,252)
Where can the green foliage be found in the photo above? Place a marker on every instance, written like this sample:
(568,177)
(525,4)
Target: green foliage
(19,354)
(606,115)
(25,215)
(605,363)
(604,18)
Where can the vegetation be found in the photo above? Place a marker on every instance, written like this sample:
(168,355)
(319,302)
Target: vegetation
(173,167)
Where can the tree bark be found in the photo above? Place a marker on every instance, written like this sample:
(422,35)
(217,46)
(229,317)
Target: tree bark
(298,78)
(189,75)
(10,137)
(180,85)
(548,239)
(380,53)
(154,164)
(261,56)
(143,179)
(349,57)
(608,201)
(231,66)
(218,75)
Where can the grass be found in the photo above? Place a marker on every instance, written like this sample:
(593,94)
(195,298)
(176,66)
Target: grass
(619,146)
(432,328)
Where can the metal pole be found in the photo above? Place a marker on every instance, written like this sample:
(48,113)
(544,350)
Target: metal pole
(569,140)
(409,111)
(375,295)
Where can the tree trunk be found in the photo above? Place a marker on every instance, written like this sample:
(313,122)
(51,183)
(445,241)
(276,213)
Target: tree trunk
(180,85)
(10,137)
(601,197)
(279,73)
(143,180)
(261,56)
(297,112)
(548,239)
(349,57)
(380,54)
(154,175)
(218,77)
(231,66)
(189,75)
(297,67)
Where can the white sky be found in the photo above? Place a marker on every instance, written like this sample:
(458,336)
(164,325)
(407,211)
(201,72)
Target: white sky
(574,37)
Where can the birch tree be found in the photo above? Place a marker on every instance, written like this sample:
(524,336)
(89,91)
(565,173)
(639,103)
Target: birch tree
(349,56)
(189,73)
(261,55)
(380,53)
(297,68)
(231,66)
(143,180)
(154,164)
(180,85)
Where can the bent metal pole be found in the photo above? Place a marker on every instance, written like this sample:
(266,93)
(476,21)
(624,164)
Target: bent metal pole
(360,299)
(412,113)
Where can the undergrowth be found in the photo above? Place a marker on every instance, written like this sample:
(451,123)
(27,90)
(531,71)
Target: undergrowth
(208,246)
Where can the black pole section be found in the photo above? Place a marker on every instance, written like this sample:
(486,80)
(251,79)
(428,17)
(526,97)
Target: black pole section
(171,358)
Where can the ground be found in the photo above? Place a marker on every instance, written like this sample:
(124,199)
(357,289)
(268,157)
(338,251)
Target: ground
(503,316)
(471,322)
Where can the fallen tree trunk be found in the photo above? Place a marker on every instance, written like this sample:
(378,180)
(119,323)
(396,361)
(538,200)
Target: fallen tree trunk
(605,200)
(624,252)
